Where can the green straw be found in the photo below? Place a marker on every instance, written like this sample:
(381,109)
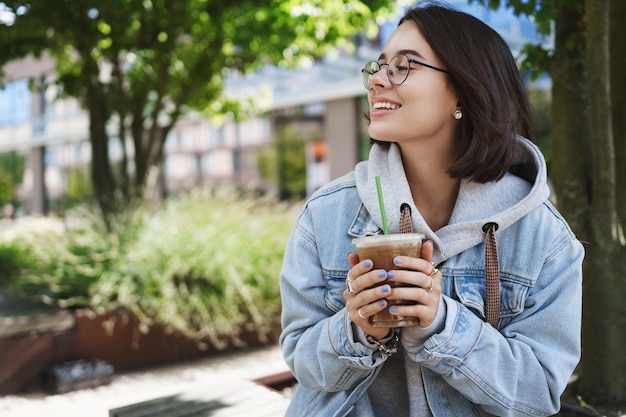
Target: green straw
(382,205)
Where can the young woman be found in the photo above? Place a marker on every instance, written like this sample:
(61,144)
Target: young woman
(450,117)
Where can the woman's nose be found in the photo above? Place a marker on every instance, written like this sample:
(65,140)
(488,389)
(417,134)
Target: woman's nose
(380,78)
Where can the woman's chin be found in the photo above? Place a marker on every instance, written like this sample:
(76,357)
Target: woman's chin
(381,138)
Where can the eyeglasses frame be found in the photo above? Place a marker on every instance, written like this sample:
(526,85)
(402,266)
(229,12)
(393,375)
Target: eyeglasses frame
(410,61)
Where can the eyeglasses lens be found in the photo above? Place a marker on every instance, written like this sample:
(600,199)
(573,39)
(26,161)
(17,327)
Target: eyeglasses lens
(367,72)
(397,70)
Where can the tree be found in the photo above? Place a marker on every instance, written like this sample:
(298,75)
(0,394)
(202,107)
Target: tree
(588,169)
(11,172)
(140,65)
(604,363)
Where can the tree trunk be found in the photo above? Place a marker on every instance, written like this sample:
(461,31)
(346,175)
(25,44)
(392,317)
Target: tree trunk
(570,167)
(618,98)
(101,174)
(603,380)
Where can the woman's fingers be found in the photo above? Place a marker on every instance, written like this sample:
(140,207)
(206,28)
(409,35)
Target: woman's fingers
(417,272)
(427,251)
(353,258)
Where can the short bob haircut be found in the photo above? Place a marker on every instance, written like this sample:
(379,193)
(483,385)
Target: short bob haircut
(492,94)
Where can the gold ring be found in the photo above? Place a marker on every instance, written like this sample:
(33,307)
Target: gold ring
(434,272)
(361,315)
(349,282)
(430,288)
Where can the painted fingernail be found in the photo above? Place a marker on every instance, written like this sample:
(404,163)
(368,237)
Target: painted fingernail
(393,310)
(390,274)
(367,263)
(397,260)
(381,303)
(385,288)
(382,274)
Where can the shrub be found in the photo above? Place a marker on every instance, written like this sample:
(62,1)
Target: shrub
(12,260)
(61,259)
(206,265)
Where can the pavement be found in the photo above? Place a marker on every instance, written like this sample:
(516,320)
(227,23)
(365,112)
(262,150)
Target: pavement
(223,375)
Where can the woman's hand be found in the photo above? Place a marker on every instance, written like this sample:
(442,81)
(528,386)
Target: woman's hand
(425,286)
(364,294)
(368,296)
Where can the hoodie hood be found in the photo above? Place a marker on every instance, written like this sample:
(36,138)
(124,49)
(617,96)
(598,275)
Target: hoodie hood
(502,202)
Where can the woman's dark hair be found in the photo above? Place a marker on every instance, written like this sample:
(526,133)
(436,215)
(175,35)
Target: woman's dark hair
(492,95)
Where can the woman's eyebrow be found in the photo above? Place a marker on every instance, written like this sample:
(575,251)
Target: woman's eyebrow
(410,52)
(403,52)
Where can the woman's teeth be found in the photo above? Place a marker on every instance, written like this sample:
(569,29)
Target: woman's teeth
(385,105)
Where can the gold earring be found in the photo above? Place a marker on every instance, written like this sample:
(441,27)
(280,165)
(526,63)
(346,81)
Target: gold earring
(458,114)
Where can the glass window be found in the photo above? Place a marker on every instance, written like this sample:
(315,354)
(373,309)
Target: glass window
(15,102)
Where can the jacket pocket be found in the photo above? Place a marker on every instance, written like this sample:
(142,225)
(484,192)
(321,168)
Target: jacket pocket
(335,282)
(469,290)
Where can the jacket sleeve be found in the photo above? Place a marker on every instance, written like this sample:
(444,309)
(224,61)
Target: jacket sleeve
(318,342)
(522,368)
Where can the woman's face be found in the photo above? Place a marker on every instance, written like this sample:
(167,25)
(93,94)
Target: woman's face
(421,108)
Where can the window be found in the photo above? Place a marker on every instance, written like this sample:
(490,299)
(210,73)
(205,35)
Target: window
(15,102)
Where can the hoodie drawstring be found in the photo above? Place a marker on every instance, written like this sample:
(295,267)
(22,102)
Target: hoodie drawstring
(492,275)
(405,219)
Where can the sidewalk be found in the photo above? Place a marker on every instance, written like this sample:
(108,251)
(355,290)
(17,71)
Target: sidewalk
(220,377)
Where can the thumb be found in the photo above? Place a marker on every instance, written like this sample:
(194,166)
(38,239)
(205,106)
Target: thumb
(353,258)
(427,251)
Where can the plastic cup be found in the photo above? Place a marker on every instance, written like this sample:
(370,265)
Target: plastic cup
(381,249)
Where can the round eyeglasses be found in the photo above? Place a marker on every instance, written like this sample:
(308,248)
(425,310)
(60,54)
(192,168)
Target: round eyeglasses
(398,69)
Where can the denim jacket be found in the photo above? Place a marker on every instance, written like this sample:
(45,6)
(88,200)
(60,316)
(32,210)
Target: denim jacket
(469,367)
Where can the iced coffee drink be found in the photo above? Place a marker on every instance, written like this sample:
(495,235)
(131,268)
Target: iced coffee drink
(381,249)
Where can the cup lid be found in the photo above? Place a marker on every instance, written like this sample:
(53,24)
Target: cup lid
(394,237)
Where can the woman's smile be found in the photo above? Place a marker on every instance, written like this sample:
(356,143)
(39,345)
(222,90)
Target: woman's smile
(385,105)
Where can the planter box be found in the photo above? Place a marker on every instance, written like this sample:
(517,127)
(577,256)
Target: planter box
(35,337)
(117,339)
